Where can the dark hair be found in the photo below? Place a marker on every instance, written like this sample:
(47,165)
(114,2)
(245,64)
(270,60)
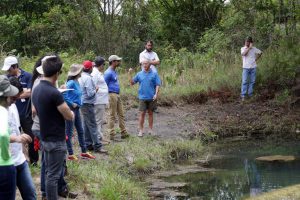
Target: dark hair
(35,73)
(14,66)
(51,66)
(249,39)
(72,77)
(99,61)
(149,41)
(15,82)
(86,70)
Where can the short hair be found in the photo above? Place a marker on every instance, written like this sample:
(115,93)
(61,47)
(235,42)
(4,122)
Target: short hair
(249,39)
(15,66)
(149,41)
(15,82)
(86,70)
(51,66)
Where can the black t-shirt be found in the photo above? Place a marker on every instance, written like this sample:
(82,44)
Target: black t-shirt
(46,98)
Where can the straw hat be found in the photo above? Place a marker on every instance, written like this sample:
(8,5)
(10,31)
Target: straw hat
(75,69)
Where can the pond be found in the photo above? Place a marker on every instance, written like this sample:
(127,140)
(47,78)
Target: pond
(238,175)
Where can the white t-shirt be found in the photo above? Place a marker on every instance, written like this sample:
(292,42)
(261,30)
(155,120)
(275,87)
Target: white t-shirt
(16,149)
(102,93)
(249,60)
(149,56)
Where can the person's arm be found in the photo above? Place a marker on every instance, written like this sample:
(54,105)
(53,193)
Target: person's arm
(246,50)
(69,85)
(129,76)
(155,61)
(25,94)
(23,138)
(258,54)
(90,88)
(33,111)
(65,111)
(156,92)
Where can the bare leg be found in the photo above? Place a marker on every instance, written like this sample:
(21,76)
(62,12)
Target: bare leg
(150,113)
(142,120)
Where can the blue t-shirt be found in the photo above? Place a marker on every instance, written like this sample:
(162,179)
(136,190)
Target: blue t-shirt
(73,96)
(23,105)
(111,79)
(147,84)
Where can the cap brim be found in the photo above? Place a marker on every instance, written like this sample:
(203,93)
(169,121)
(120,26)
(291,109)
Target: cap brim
(5,67)
(13,91)
(40,70)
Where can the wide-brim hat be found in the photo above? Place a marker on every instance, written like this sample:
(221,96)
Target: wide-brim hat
(75,69)
(6,89)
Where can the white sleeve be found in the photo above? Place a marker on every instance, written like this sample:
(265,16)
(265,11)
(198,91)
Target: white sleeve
(156,57)
(257,51)
(141,58)
(243,50)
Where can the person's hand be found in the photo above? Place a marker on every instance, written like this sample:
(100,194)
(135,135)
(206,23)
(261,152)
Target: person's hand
(24,138)
(74,105)
(63,86)
(154,97)
(251,45)
(130,70)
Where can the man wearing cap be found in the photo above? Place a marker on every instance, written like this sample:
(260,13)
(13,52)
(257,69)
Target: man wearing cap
(101,95)
(115,102)
(23,104)
(52,112)
(89,91)
(250,55)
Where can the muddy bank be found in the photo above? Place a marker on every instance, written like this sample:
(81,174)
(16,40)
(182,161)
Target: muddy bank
(215,118)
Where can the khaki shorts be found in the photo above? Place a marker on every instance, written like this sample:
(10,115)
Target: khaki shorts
(147,105)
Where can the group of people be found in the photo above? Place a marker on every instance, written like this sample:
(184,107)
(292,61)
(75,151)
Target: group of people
(46,114)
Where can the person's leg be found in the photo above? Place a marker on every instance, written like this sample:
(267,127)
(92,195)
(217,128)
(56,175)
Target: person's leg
(90,122)
(26,124)
(252,74)
(141,121)
(43,175)
(25,182)
(99,113)
(112,113)
(150,120)
(79,129)
(69,133)
(121,115)
(244,87)
(8,182)
(54,158)
(87,134)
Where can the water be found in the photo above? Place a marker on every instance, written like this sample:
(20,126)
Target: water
(239,175)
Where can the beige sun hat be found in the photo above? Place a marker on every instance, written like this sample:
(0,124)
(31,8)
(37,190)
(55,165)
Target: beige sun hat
(75,69)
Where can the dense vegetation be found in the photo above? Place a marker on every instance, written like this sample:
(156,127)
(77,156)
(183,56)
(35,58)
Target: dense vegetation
(198,41)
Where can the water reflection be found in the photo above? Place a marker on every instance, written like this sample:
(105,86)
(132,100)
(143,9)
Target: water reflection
(253,178)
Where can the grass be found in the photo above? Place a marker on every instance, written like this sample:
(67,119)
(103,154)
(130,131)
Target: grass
(119,176)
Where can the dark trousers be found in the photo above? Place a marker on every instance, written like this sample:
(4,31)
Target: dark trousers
(7,182)
(26,124)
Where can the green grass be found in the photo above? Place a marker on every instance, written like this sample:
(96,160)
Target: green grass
(118,176)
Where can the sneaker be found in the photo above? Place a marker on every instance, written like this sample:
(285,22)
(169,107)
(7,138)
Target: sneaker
(100,150)
(140,134)
(125,135)
(87,155)
(72,157)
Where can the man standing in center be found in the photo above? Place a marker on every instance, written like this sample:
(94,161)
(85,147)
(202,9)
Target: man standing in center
(115,102)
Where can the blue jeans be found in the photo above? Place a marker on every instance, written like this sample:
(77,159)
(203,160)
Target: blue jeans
(24,182)
(90,126)
(8,182)
(69,131)
(247,85)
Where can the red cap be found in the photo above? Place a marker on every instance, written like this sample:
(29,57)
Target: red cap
(87,64)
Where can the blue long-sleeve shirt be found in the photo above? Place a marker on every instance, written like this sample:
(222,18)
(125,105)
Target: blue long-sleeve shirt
(88,88)
(73,96)
(112,81)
